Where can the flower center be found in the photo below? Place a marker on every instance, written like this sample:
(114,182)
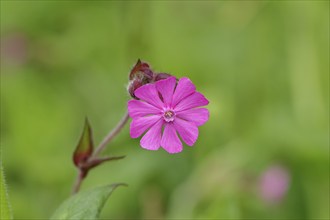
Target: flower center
(169,115)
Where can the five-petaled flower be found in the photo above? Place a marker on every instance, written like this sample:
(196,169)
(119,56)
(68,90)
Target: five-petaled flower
(165,108)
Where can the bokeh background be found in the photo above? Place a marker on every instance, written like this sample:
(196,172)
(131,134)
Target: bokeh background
(264,66)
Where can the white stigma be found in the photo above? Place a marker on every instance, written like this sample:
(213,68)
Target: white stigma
(169,115)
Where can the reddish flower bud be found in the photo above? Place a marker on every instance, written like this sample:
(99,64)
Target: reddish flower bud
(160,76)
(132,86)
(142,71)
(141,74)
(84,148)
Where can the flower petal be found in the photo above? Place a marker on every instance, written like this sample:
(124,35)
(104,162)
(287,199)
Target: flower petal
(141,124)
(184,88)
(188,131)
(170,140)
(194,100)
(149,94)
(166,89)
(151,140)
(138,108)
(198,115)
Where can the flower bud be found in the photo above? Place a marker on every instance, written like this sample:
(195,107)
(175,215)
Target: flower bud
(132,86)
(160,76)
(140,74)
(84,148)
(141,70)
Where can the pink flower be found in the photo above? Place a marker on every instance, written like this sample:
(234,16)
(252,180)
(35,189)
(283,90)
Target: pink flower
(166,108)
(274,184)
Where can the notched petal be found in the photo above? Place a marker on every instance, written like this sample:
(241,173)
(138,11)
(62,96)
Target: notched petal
(198,115)
(196,99)
(149,94)
(137,108)
(151,140)
(141,124)
(188,131)
(170,140)
(184,88)
(166,89)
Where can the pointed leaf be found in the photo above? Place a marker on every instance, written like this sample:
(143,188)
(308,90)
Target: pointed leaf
(5,210)
(85,205)
(84,148)
(98,161)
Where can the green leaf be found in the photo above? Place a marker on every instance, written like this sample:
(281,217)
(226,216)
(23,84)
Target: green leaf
(84,148)
(5,211)
(85,205)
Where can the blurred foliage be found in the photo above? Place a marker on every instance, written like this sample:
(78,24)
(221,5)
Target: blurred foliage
(264,66)
(5,208)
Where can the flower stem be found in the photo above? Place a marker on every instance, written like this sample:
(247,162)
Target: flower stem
(77,183)
(111,135)
(95,157)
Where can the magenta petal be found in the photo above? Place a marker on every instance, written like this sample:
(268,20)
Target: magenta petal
(184,88)
(151,140)
(198,115)
(149,94)
(194,100)
(166,89)
(170,140)
(188,131)
(138,108)
(141,124)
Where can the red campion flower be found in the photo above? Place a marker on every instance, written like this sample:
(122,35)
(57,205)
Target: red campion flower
(165,108)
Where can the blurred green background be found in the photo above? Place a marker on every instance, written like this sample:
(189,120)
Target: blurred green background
(264,66)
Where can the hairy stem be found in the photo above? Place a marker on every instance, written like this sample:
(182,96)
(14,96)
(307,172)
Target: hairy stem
(111,135)
(77,183)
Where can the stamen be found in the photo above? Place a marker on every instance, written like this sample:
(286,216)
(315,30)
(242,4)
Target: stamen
(169,116)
